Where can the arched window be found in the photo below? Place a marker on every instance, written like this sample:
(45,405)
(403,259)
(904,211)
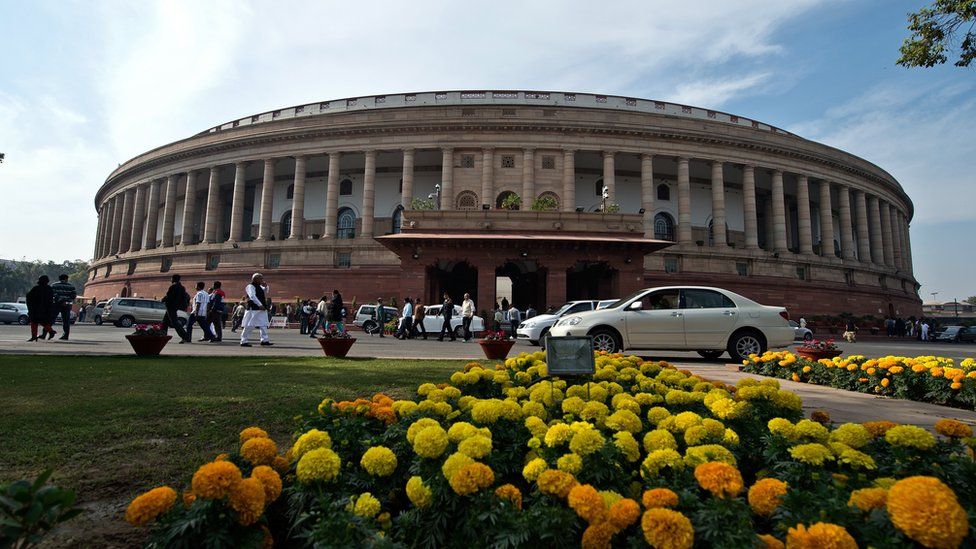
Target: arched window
(345,187)
(663,192)
(598,188)
(466,200)
(346,223)
(397,220)
(663,227)
(501,199)
(551,198)
(290,193)
(285,227)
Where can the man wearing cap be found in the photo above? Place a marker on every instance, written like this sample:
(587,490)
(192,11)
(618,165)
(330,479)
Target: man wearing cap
(256,311)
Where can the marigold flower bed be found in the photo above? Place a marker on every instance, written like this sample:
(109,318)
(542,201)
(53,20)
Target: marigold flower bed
(924,378)
(644,454)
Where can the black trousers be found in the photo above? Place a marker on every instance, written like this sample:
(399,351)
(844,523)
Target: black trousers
(466,325)
(171,319)
(65,310)
(446,328)
(419,327)
(406,328)
(217,318)
(204,322)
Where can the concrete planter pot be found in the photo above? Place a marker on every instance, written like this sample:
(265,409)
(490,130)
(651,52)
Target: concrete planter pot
(147,345)
(496,349)
(336,347)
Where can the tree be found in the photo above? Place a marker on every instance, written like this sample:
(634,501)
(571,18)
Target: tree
(971,300)
(936,30)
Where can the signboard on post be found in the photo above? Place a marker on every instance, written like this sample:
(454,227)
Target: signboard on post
(279,322)
(570,356)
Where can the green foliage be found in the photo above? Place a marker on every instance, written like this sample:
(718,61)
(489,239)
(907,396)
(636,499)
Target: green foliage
(422,204)
(30,509)
(613,208)
(203,524)
(511,201)
(971,300)
(16,277)
(938,29)
(544,203)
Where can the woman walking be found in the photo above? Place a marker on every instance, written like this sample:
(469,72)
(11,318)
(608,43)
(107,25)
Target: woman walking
(40,308)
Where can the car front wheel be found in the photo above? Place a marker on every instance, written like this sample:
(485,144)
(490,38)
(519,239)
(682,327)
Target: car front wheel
(605,340)
(746,343)
(370,327)
(808,336)
(23,320)
(98,320)
(543,339)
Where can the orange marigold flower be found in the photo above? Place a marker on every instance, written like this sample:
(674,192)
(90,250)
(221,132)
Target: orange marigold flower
(885,382)
(667,529)
(721,479)
(770,542)
(820,416)
(878,428)
(659,497)
(867,499)
(588,503)
(624,512)
(821,535)
(927,511)
(953,428)
(766,495)
(510,493)
(557,483)
(598,536)
(280,464)
(188,498)
(215,480)
(259,450)
(146,507)
(270,480)
(247,498)
(471,478)
(252,432)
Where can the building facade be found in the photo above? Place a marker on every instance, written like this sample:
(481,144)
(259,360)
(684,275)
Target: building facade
(416,194)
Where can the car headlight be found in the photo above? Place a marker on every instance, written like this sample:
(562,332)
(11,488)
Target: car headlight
(528,325)
(571,321)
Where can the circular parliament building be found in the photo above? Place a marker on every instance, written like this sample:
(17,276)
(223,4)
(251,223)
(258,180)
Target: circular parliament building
(540,197)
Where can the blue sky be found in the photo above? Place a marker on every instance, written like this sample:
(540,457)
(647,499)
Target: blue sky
(85,86)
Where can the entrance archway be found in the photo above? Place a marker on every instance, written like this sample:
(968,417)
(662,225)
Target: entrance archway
(591,280)
(454,278)
(528,283)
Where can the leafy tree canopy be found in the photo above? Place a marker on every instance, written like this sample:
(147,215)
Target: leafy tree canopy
(16,277)
(938,30)
(971,300)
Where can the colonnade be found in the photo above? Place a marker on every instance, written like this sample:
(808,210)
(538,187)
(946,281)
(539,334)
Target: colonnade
(882,231)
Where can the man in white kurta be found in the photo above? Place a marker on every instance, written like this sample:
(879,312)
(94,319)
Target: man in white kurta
(255,314)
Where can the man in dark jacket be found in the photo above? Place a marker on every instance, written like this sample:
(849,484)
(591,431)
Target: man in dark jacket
(64,297)
(447,311)
(40,308)
(380,316)
(176,300)
(336,315)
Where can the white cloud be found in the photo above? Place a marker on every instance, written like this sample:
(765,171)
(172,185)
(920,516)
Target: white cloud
(717,92)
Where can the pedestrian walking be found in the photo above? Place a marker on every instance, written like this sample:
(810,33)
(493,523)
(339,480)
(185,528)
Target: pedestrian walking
(238,315)
(305,317)
(499,317)
(40,308)
(419,314)
(406,320)
(850,331)
(530,312)
(447,312)
(467,314)
(82,313)
(64,297)
(215,312)
(320,317)
(514,319)
(199,313)
(925,330)
(256,311)
(803,322)
(380,315)
(336,316)
(505,304)
(176,300)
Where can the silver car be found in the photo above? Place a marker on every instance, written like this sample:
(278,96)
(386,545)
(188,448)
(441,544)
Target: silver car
(124,312)
(13,312)
(805,334)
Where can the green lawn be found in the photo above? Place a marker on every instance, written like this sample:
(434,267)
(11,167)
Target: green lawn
(113,426)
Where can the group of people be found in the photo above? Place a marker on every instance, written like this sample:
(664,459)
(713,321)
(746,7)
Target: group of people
(45,301)
(329,314)
(411,319)
(916,328)
(507,317)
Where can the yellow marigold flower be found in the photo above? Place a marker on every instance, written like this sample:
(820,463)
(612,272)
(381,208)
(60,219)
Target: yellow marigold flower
(270,481)
(430,442)
(420,425)
(309,441)
(856,459)
(819,536)
(318,464)
(721,479)
(811,454)
(510,493)
(627,444)
(926,510)
(782,427)
(534,409)
(457,432)
(379,461)
(252,432)
(685,420)
(910,436)
(247,499)
(570,463)
(770,542)
(534,424)
(661,459)
(588,503)
(556,483)
(418,492)
(695,435)
(766,495)
(867,499)
(878,428)
(477,446)
(586,441)
(659,497)
(471,478)
(812,430)
(953,428)
(366,506)
(573,405)
(215,480)
(623,513)
(533,469)
(259,450)
(454,463)
(659,439)
(148,506)
(557,434)
(624,420)
(730,437)
(657,414)
(854,435)
(597,536)
(696,455)
(667,529)
(595,411)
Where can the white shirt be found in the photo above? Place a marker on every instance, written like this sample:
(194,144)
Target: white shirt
(514,315)
(467,307)
(803,322)
(202,299)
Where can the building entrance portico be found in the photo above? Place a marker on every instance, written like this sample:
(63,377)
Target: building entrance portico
(527,283)
(454,278)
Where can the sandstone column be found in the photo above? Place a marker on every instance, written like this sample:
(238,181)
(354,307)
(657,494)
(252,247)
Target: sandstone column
(569,180)
(749,207)
(647,193)
(213,207)
(609,171)
(846,223)
(877,241)
(826,221)
(528,178)
(804,223)
(684,202)
(487,176)
(125,239)
(406,194)
(267,200)
(99,227)
(189,209)
(369,194)
(298,201)
(895,233)
(332,195)
(779,214)
(863,235)
(887,235)
(447,179)
(237,203)
(719,235)
(116,223)
(907,242)
(152,219)
(169,211)
(138,219)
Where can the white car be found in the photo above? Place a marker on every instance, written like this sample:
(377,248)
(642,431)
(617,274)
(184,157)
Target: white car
(536,329)
(433,321)
(806,334)
(683,318)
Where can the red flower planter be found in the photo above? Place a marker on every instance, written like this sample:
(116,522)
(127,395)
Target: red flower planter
(148,345)
(817,355)
(496,349)
(336,347)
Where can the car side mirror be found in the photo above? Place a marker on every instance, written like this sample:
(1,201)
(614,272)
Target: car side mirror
(635,306)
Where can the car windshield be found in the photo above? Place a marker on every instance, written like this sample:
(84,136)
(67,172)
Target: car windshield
(952,329)
(563,309)
(623,300)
